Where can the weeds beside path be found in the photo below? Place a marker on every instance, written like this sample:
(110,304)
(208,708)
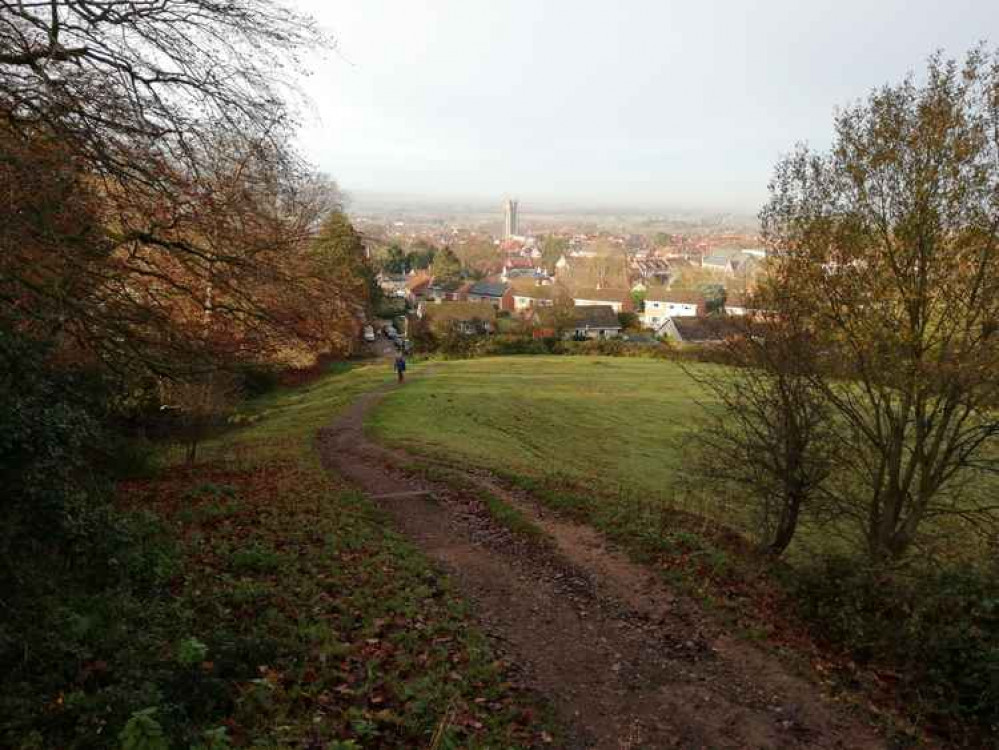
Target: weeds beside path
(626,662)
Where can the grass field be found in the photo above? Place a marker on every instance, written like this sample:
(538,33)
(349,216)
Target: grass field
(601,439)
(601,422)
(619,428)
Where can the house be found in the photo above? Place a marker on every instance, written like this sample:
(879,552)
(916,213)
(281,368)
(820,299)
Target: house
(527,294)
(650,270)
(535,274)
(618,299)
(747,263)
(492,292)
(445,292)
(593,270)
(662,304)
(417,286)
(737,303)
(392,284)
(517,261)
(703,330)
(588,321)
(717,262)
(595,322)
(469,318)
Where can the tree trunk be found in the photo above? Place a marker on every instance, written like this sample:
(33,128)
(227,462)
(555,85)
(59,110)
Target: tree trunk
(787,525)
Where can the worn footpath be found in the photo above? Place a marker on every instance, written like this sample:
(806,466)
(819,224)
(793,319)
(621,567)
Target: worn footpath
(625,662)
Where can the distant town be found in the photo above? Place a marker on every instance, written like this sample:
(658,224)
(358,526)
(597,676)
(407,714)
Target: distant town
(623,275)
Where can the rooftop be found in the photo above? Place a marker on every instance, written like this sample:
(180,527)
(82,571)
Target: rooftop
(610,295)
(458,311)
(488,289)
(595,316)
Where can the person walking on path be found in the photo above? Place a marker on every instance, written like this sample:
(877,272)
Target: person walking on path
(400,366)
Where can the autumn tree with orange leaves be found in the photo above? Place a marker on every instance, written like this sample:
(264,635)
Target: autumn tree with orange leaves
(159,219)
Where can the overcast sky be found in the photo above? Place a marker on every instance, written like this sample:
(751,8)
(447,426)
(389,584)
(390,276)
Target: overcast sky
(671,103)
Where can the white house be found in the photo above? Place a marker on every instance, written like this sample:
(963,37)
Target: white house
(527,295)
(661,305)
(721,263)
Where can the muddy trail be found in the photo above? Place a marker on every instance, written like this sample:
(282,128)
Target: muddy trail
(625,662)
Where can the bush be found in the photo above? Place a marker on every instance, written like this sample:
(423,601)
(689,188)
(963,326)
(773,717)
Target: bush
(614,348)
(453,345)
(939,631)
(257,379)
(501,346)
(82,581)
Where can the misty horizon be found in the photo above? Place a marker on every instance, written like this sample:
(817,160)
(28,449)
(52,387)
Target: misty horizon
(647,104)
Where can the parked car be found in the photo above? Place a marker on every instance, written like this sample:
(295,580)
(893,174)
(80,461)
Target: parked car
(369,334)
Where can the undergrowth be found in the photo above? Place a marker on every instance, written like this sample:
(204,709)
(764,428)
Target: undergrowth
(254,601)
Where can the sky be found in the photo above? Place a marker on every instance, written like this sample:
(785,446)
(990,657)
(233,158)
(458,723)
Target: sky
(672,104)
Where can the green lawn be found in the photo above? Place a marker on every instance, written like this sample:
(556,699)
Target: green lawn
(600,438)
(602,422)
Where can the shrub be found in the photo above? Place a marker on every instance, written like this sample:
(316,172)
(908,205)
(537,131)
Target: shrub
(257,379)
(938,630)
(500,346)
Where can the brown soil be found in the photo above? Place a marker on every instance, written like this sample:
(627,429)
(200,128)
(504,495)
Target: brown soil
(625,662)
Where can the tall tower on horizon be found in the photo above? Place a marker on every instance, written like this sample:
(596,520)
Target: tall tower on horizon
(510,224)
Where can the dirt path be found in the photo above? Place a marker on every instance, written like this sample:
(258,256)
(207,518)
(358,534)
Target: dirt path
(625,662)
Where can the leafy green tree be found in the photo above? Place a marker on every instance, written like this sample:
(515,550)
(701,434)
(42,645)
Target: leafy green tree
(638,298)
(421,255)
(552,248)
(888,245)
(343,258)
(629,320)
(446,267)
(768,434)
(714,297)
(395,260)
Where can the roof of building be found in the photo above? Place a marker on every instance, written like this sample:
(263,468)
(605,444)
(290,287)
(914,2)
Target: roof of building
(488,289)
(417,281)
(716,260)
(651,266)
(525,273)
(528,288)
(676,296)
(706,329)
(595,316)
(602,295)
(445,287)
(460,311)
(519,262)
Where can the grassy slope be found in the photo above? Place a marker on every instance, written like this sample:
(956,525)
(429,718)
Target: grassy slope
(601,439)
(318,623)
(601,421)
(573,428)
